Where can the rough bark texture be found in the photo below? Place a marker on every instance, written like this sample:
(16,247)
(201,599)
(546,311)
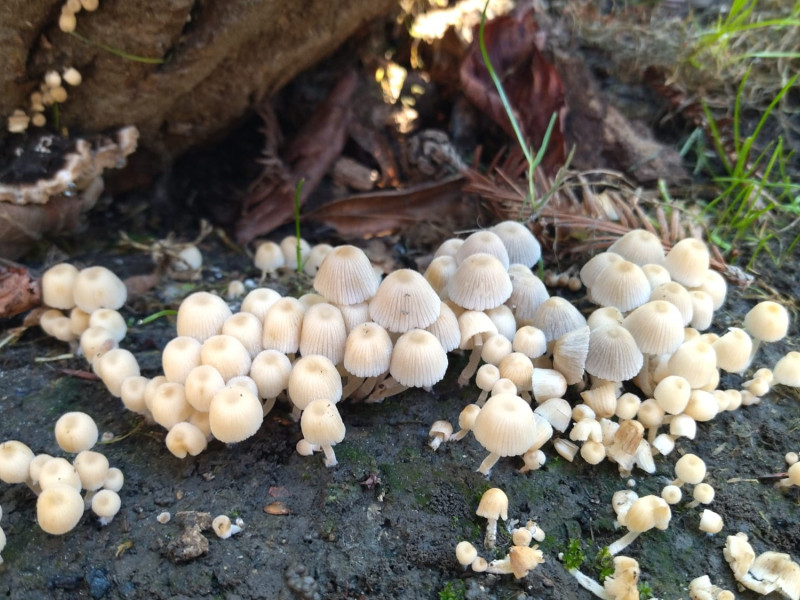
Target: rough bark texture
(220,56)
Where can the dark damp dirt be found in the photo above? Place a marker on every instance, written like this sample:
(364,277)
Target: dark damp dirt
(385,522)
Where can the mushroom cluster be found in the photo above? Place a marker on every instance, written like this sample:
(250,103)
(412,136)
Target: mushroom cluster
(58,482)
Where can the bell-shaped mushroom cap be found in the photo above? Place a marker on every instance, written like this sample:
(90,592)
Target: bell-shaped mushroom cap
(695,361)
(656,274)
(690,468)
(345,276)
(556,316)
(480,282)
(715,286)
(687,262)
(767,321)
(702,310)
(270,370)
(234,415)
(108,318)
(202,315)
(590,271)
(733,350)
(787,370)
(493,505)
(321,423)
(446,329)
(59,508)
(289,248)
(114,367)
(169,405)
(315,258)
(76,431)
(518,368)
(605,315)
(505,425)
(92,468)
(483,242)
(640,247)
(227,355)
(656,326)
(466,553)
(527,293)
(613,354)
(621,284)
(15,458)
(247,328)
(314,377)
(418,359)
(57,284)
(530,341)
(268,257)
(440,272)
(404,301)
(472,323)
(259,301)
(184,438)
(449,247)
(569,354)
(323,332)
(368,351)
(674,293)
(106,505)
(179,357)
(647,512)
(98,287)
(201,384)
(495,348)
(522,246)
(672,394)
(282,325)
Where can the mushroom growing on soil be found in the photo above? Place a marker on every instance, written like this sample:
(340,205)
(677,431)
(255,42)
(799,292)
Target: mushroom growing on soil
(644,514)
(322,426)
(76,431)
(493,506)
(505,426)
(223,527)
(59,508)
(519,561)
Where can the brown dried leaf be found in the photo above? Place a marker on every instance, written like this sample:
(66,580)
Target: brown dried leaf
(18,291)
(276,508)
(380,213)
(533,85)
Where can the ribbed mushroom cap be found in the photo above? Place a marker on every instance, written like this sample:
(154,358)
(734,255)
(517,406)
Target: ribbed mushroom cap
(321,423)
(323,332)
(621,284)
(656,326)
(483,242)
(282,325)
(733,350)
(695,361)
(687,262)
(76,431)
(270,370)
(368,351)
(613,354)
(639,246)
(591,270)
(702,310)
(418,359)
(446,328)
(184,438)
(259,301)
(527,294)
(314,377)
(480,282)
(98,287)
(449,247)
(440,272)
(169,405)
(247,328)
(505,425)
(605,315)
(472,323)
(57,284)
(674,293)
(714,285)
(522,246)
(345,276)
(227,355)
(202,315)
(518,368)
(530,341)
(767,321)
(787,370)
(569,354)
(493,505)
(234,415)
(59,509)
(656,274)
(404,301)
(556,316)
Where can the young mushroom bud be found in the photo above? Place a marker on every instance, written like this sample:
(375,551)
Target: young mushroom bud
(59,508)
(440,432)
(106,505)
(322,426)
(223,527)
(466,553)
(493,506)
(76,431)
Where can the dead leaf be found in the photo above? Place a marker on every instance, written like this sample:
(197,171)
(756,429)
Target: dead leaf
(532,85)
(18,290)
(381,213)
(270,202)
(278,491)
(276,508)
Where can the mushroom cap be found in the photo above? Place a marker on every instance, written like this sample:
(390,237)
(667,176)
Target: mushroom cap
(527,293)
(98,287)
(259,301)
(506,425)
(767,321)
(76,431)
(179,357)
(472,323)
(418,359)
(484,242)
(404,301)
(518,368)
(202,315)
(315,258)
(227,355)
(59,509)
(268,257)
(439,273)
(733,350)
(270,370)
(289,248)
(247,328)
(92,468)
(495,348)
(640,247)
(345,276)
(282,325)
(647,512)
(368,350)
(621,284)
(15,460)
(106,504)
(687,262)
(613,354)
(522,246)
(690,468)
(466,553)
(480,282)
(674,293)
(493,505)
(656,326)
(114,367)
(184,438)
(58,471)
(446,328)
(524,559)
(714,285)
(530,341)
(787,370)
(739,554)
(695,361)
(321,423)
(108,318)
(591,270)
(556,316)
(57,284)
(323,332)
(570,352)
(169,405)
(672,394)
(234,415)
(201,384)
(314,377)
(96,341)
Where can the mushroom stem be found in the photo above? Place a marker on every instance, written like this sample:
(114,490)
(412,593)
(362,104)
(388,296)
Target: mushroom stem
(458,435)
(500,567)
(436,441)
(753,351)
(388,387)
(364,390)
(488,463)
(490,539)
(474,359)
(482,398)
(330,457)
(353,383)
(295,414)
(589,584)
(269,404)
(622,543)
